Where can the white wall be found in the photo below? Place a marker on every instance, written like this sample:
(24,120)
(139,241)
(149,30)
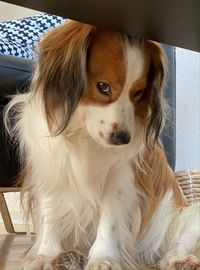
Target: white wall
(12,12)
(188,109)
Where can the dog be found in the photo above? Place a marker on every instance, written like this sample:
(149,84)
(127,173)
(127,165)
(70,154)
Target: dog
(91,158)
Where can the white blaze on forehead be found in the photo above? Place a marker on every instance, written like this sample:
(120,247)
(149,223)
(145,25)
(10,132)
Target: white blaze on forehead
(135,65)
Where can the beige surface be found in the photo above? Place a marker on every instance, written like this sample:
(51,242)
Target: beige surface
(13,247)
(12,12)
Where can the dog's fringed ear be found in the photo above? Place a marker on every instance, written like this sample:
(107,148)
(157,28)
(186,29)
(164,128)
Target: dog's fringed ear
(156,76)
(61,71)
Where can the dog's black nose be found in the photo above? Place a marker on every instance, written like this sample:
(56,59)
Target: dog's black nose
(120,137)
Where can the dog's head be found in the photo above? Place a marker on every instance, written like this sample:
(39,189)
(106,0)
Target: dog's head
(114,80)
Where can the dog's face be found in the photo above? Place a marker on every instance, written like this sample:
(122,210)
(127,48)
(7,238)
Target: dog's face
(113,80)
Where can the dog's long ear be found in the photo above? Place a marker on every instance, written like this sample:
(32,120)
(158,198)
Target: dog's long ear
(61,71)
(156,76)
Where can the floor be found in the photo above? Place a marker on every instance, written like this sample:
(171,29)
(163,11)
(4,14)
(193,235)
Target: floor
(13,248)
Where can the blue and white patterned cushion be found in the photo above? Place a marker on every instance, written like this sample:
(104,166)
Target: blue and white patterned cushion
(19,37)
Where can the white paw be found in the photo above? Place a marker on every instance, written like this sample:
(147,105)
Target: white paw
(102,264)
(37,263)
(189,262)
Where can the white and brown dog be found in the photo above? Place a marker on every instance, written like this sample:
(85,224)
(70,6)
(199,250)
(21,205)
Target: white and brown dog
(96,173)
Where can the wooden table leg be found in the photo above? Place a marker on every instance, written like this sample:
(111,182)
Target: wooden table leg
(6,215)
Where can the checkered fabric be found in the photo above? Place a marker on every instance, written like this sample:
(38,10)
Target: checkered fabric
(19,37)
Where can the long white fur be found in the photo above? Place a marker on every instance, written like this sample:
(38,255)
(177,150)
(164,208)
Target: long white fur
(84,192)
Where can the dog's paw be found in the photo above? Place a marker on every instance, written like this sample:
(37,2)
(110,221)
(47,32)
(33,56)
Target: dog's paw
(189,262)
(37,263)
(102,264)
(71,260)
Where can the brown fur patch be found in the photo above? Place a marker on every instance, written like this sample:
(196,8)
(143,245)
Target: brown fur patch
(115,126)
(146,93)
(156,76)
(139,100)
(156,180)
(61,76)
(106,63)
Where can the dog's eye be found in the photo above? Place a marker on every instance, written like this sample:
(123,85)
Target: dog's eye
(138,93)
(104,88)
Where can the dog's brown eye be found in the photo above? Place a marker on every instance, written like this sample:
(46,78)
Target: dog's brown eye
(138,93)
(104,88)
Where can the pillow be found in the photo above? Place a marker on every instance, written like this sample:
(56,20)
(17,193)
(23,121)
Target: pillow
(19,37)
